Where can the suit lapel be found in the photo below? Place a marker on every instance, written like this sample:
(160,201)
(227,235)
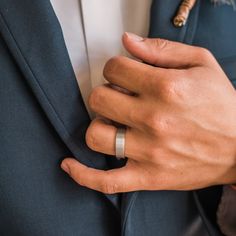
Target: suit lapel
(33,35)
(161,26)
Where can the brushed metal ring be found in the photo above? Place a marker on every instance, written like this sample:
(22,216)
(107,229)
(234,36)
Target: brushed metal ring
(120,143)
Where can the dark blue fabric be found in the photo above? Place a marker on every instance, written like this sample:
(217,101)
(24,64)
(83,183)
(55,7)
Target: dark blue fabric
(43,119)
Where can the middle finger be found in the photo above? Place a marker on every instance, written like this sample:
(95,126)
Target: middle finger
(114,105)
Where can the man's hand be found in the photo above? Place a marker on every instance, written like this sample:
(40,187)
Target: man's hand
(181,119)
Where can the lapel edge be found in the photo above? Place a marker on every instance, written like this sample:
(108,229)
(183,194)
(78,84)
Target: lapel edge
(44,101)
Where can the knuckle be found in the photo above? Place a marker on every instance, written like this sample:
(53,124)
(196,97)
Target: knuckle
(109,188)
(96,97)
(152,122)
(157,124)
(170,90)
(112,65)
(204,54)
(161,43)
(91,137)
(153,155)
(169,86)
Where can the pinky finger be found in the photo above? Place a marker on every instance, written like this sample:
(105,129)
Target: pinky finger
(125,179)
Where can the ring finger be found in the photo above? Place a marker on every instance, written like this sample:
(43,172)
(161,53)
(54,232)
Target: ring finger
(101,137)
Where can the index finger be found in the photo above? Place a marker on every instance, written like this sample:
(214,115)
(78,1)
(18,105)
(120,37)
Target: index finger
(131,74)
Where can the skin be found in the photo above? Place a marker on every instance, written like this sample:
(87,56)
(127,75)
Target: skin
(180,112)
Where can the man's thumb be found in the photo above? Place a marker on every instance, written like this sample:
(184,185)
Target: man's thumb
(159,52)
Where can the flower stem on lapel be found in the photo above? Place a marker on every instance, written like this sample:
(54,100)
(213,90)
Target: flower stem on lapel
(186,6)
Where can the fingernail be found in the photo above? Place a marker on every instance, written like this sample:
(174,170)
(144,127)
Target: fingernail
(134,37)
(65,167)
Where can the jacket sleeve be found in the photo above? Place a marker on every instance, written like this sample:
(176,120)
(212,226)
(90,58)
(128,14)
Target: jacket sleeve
(226,214)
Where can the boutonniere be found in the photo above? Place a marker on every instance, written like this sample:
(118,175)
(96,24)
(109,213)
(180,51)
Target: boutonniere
(187,5)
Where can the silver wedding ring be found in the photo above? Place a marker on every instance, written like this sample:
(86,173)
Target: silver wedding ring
(120,143)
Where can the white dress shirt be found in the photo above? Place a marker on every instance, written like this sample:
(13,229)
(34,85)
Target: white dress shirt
(92,30)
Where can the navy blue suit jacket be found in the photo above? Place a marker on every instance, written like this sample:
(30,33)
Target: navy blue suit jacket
(43,119)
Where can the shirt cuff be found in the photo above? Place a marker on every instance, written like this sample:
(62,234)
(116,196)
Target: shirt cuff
(233,186)
(226,215)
